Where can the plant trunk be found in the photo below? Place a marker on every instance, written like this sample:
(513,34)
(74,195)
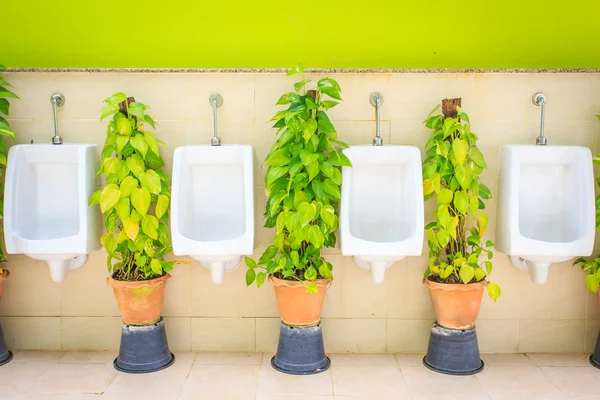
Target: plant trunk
(449,107)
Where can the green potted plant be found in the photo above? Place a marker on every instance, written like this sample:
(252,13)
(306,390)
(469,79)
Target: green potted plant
(5,130)
(592,268)
(459,262)
(303,191)
(135,204)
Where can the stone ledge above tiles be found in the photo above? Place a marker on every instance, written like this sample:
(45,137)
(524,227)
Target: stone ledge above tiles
(315,70)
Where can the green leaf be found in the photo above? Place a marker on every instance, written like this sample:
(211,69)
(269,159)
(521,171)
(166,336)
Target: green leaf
(121,142)
(116,98)
(295,166)
(328,215)
(331,188)
(123,208)
(312,169)
(452,225)
(331,172)
(444,196)
(151,122)
(308,157)
(139,143)
(95,197)
(127,185)
(443,216)
(279,158)
(250,276)
(274,173)
(339,159)
(4,83)
(310,273)
(460,149)
(135,164)
(250,263)
(156,266)
(466,273)
(477,157)
(151,181)
(484,192)
(261,277)
(493,291)
(131,228)
(464,175)
(162,205)
(107,110)
(319,188)
(295,257)
(7,93)
(488,267)
(328,104)
(331,92)
(137,109)
(109,243)
(325,270)
(592,283)
(151,142)
(123,127)
(443,237)
(482,221)
(323,123)
(428,187)
(315,236)
(299,85)
(109,197)
(288,98)
(295,70)
(140,200)
(308,128)
(4,106)
(479,274)
(461,201)
(473,204)
(150,225)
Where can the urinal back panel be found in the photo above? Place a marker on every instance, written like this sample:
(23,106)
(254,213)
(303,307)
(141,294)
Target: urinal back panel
(214,195)
(47,193)
(546,200)
(381,206)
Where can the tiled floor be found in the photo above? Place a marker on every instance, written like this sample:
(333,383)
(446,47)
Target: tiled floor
(204,376)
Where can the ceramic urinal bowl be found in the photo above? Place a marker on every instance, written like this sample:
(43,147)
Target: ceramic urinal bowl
(46,212)
(212,207)
(381,213)
(546,211)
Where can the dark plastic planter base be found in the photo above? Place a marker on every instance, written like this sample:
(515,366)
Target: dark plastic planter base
(453,352)
(595,358)
(300,351)
(5,354)
(144,349)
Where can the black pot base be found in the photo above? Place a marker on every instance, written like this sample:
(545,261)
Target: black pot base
(143,349)
(300,351)
(593,362)
(455,373)
(5,354)
(453,352)
(136,371)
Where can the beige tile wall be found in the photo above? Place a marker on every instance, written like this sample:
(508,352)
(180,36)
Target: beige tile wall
(358,315)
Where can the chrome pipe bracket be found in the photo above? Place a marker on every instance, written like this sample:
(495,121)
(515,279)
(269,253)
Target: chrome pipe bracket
(57,100)
(376,101)
(216,101)
(539,99)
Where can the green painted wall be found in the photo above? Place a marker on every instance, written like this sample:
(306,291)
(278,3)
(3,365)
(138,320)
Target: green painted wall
(318,33)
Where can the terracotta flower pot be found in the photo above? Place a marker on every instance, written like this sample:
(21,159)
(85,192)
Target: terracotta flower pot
(456,305)
(297,307)
(3,277)
(140,302)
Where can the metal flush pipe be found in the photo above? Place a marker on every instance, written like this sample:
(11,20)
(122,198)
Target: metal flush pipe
(376,101)
(57,100)
(215,100)
(539,99)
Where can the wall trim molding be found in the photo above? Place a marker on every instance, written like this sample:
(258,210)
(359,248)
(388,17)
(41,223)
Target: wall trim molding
(313,70)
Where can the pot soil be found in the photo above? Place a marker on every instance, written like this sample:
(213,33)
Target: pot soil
(140,302)
(297,307)
(456,305)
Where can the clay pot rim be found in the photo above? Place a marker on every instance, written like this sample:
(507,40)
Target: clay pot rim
(5,275)
(137,284)
(295,284)
(455,287)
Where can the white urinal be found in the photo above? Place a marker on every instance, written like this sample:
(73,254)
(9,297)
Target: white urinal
(212,207)
(381,212)
(46,212)
(546,211)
